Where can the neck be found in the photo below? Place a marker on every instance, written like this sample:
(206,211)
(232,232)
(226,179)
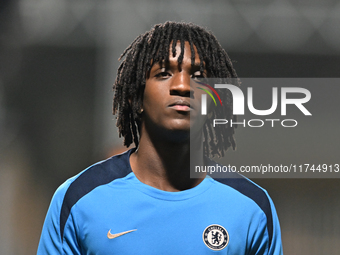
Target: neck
(165,165)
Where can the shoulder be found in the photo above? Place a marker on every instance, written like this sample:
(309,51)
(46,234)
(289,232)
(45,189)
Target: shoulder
(244,189)
(250,192)
(249,189)
(100,173)
(75,188)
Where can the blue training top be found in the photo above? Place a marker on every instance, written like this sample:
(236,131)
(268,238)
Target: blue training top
(106,210)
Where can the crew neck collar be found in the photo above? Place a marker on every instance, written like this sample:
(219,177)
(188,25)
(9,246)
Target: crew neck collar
(169,195)
(166,195)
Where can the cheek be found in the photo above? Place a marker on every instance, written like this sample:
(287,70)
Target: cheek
(148,98)
(154,94)
(153,102)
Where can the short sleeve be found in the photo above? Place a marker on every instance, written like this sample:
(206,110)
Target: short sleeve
(51,242)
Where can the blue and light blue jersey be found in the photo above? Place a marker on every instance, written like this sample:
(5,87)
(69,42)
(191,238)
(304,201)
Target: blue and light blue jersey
(106,210)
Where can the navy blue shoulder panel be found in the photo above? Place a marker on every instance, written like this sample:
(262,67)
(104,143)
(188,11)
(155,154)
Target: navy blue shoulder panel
(99,174)
(255,193)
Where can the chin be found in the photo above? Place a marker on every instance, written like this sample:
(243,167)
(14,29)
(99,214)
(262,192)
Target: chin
(179,137)
(185,131)
(176,134)
(174,131)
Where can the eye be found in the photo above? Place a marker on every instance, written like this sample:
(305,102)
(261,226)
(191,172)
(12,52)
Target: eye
(198,74)
(163,75)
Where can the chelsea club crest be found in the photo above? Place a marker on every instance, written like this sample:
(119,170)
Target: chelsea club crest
(215,237)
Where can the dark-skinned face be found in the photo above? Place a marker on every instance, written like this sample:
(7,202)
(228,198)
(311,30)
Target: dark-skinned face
(169,102)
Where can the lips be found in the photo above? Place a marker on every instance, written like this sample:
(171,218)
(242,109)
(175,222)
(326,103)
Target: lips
(180,105)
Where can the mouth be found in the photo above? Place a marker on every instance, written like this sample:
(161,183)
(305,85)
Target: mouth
(181,105)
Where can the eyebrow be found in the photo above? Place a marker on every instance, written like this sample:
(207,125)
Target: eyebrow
(196,66)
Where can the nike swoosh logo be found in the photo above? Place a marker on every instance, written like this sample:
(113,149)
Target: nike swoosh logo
(111,236)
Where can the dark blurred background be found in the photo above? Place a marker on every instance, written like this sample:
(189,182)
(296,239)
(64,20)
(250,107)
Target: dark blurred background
(58,64)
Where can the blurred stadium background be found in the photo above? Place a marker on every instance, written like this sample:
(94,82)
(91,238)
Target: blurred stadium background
(58,64)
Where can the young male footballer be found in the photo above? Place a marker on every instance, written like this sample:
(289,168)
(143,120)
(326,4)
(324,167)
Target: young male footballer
(143,201)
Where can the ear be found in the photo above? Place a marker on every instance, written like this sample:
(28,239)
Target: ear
(140,111)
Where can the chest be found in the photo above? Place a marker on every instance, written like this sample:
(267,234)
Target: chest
(143,225)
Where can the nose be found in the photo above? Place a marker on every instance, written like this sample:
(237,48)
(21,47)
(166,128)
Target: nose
(180,85)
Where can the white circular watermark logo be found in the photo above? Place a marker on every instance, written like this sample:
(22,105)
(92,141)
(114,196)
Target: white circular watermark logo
(215,237)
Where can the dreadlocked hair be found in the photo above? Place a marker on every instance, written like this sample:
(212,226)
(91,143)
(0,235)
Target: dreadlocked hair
(154,46)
